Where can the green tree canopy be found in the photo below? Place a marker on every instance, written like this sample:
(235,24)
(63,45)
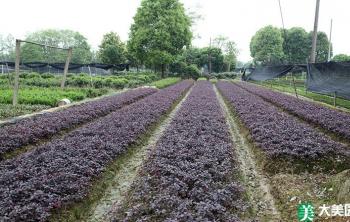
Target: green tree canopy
(266,46)
(296,45)
(112,50)
(58,38)
(160,31)
(217,58)
(341,58)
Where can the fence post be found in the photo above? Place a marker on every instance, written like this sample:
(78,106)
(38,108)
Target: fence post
(335,99)
(66,66)
(295,89)
(16,86)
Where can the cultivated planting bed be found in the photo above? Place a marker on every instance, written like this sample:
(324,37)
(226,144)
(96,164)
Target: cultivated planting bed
(192,174)
(60,173)
(288,144)
(31,130)
(332,120)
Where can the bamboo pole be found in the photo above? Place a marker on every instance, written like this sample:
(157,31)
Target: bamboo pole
(16,86)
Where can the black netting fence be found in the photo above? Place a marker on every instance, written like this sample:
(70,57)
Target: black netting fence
(57,68)
(267,72)
(329,78)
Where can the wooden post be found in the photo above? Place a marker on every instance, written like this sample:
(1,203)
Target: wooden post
(335,99)
(295,88)
(66,66)
(16,86)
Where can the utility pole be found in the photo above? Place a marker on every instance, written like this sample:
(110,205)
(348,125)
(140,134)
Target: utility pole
(209,58)
(314,37)
(279,2)
(330,42)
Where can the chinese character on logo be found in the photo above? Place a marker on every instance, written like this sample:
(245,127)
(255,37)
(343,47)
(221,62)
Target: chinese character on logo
(306,212)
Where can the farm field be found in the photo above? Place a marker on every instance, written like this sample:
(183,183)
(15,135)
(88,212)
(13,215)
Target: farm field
(191,151)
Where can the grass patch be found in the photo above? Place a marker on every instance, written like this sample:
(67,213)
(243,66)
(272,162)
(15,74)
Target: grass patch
(160,84)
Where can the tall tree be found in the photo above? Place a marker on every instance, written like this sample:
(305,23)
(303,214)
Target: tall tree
(217,58)
(160,31)
(58,38)
(296,45)
(230,55)
(112,50)
(266,46)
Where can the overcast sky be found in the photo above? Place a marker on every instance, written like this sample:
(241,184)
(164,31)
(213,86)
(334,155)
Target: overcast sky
(236,19)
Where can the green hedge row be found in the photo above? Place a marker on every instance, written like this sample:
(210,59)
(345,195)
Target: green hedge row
(82,80)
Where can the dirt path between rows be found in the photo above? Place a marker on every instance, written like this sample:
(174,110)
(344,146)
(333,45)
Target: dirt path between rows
(126,174)
(256,183)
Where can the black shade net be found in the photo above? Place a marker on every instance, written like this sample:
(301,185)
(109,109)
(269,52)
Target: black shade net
(329,78)
(58,67)
(267,72)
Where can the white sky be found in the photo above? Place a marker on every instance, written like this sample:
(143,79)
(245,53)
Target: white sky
(236,19)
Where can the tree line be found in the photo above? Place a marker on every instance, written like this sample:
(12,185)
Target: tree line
(160,39)
(271,46)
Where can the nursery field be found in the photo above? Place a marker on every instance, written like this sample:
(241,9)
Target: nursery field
(182,151)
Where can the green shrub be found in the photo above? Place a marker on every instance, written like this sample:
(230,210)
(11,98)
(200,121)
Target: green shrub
(191,71)
(47,76)
(119,83)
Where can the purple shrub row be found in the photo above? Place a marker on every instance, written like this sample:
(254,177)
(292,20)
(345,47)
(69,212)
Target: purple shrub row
(31,130)
(282,137)
(190,176)
(61,172)
(332,120)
